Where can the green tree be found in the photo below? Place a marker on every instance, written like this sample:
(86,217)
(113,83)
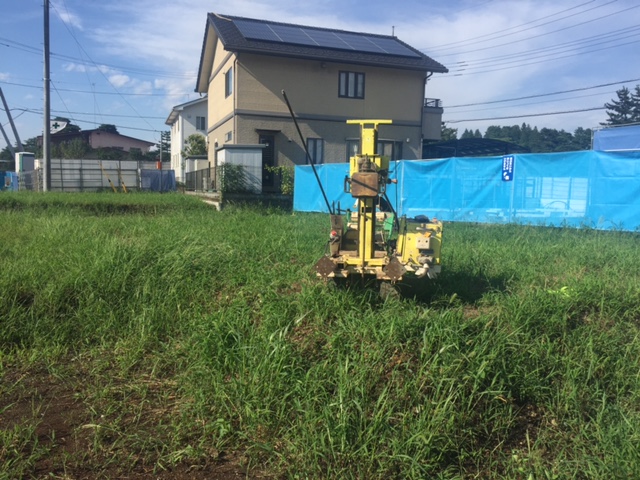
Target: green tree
(635,111)
(582,138)
(448,133)
(107,127)
(76,148)
(621,111)
(195,144)
(467,134)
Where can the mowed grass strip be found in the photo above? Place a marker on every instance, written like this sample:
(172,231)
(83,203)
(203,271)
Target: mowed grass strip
(152,335)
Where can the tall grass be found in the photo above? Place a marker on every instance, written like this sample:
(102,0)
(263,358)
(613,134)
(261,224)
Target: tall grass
(203,333)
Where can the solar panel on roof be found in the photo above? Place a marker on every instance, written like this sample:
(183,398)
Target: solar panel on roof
(295,35)
(394,46)
(327,39)
(256,30)
(291,34)
(360,42)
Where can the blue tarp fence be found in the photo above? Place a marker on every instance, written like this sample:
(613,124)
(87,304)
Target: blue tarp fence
(158,180)
(616,139)
(591,188)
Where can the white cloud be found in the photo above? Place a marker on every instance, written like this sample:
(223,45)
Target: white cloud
(70,19)
(119,80)
(74,67)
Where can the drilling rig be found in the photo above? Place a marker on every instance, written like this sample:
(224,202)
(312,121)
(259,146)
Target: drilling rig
(370,241)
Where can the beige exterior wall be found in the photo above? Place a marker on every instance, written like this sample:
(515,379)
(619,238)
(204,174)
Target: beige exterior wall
(220,108)
(312,88)
(257,105)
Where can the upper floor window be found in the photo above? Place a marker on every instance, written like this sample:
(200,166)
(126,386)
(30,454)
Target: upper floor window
(316,150)
(353,148)
(388,148)
(201,123)
(228,82)
(351,85)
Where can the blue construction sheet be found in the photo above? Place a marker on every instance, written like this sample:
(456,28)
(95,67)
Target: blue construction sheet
(617,139)
(158,180)
(594,189)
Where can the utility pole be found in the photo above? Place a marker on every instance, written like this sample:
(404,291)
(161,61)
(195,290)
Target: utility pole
(13,126)
(46,133)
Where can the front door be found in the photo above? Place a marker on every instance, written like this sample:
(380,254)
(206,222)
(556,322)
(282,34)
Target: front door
(268,159)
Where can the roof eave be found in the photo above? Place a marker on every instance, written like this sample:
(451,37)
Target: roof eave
(202,85)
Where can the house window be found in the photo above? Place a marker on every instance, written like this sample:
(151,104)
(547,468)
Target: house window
(228,136)
(351,85)
(228,82)
(316,149)
(387,148)
(201,123)
(390,149)
(353,148)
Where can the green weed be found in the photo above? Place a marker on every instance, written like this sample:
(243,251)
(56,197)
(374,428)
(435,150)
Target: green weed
(189,336)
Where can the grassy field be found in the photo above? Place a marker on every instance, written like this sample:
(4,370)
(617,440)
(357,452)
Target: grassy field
(149,336)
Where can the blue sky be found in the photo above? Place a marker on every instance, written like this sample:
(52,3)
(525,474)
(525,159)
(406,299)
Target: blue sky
(127,62)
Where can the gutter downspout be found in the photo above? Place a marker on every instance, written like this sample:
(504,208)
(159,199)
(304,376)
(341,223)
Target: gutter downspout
(235,99)
(424,96)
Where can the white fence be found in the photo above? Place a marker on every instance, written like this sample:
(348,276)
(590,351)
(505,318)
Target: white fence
(88,175)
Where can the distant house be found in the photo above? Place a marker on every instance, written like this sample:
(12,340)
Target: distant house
(185,120)
(329,76)
(101,139)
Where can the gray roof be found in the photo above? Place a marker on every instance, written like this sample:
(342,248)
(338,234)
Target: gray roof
(240,34)
(175,111)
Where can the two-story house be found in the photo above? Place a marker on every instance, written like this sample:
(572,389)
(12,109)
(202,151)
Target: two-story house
(329,76)
(186,119)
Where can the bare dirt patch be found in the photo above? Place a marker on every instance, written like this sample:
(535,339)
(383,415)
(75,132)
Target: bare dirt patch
(66,436)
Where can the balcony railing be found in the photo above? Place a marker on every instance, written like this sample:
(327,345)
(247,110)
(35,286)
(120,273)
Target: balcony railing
(433,102)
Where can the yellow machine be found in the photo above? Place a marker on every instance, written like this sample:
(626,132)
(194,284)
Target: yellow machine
(371,241)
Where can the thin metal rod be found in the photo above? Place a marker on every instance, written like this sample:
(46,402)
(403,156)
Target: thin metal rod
(6,139)
(46,132)
(309,159)
(13,125)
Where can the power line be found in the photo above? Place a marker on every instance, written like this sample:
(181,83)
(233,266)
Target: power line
(526,115)
(520,105)
(36,51)
(501,34)
(544,94)
(541,34)
(97,93)
(75,119)
(620,34)
(35,110)
(98,69)
(544,60)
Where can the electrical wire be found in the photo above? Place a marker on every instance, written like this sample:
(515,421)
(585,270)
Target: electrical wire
(447,46)
(574,25)
(595,40)
(76,119)
(97,92)
(544,94)
(525,115)
(7,42)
